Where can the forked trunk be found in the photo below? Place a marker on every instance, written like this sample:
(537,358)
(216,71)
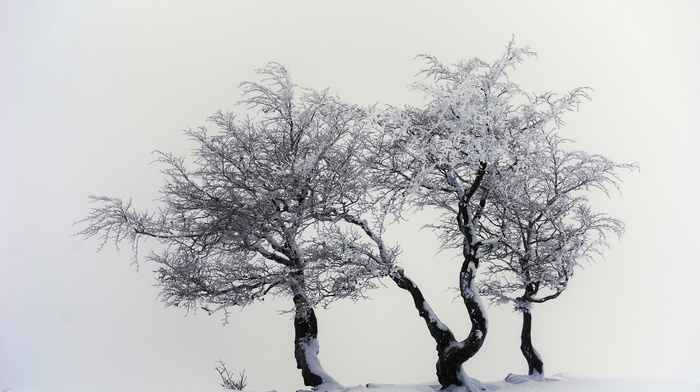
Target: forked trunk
(533,358)
(451,362)
(451,353)
(460,353)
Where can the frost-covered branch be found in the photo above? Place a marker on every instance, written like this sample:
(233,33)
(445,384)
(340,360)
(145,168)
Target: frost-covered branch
(247,214)
(541,216)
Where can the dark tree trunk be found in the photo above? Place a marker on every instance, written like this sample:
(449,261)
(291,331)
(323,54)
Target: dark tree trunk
(451,353)
(444,338)
(534,361)
(468,222)
(475,308)
(306,345)
(452,358)
(305,334)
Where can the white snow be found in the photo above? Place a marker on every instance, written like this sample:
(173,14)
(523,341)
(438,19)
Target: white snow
(557,383)
(329,384)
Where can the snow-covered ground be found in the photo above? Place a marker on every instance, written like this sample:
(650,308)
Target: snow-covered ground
(557,383)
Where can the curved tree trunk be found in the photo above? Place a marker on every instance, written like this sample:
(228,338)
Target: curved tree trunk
(450,365)
(306,346)
(444,338)
(533,358)
(467,222)
(451,353)
(475,307)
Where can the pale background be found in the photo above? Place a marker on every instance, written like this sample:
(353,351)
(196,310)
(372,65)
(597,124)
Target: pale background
(88,89)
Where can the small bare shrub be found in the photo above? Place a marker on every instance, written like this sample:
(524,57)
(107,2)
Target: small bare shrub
(228,380)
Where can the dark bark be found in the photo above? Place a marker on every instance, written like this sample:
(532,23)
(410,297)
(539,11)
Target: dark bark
(306,338)
(305,332)
(475,308)
(534,361)
(468,216)
(447,373)
(451,353)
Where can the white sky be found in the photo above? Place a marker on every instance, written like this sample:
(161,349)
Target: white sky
(88,89)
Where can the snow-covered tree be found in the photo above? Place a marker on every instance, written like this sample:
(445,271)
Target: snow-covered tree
(540,215)
(258,215)
(445,155)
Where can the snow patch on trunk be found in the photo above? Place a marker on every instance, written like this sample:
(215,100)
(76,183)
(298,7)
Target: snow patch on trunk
(433,318)
(477,297)
(311,349)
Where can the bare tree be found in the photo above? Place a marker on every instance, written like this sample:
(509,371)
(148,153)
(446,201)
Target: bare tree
(258,214)
(445,156)
(541,217)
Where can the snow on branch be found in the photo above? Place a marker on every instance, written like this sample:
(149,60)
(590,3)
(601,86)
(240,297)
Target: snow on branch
(541,215)
(251,212)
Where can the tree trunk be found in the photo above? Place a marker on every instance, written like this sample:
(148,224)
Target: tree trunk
(476,310)
(468,222)
(533,358)
(451,353)
(306,346)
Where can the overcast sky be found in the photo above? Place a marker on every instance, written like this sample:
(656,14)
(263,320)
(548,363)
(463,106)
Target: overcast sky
(88,89)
